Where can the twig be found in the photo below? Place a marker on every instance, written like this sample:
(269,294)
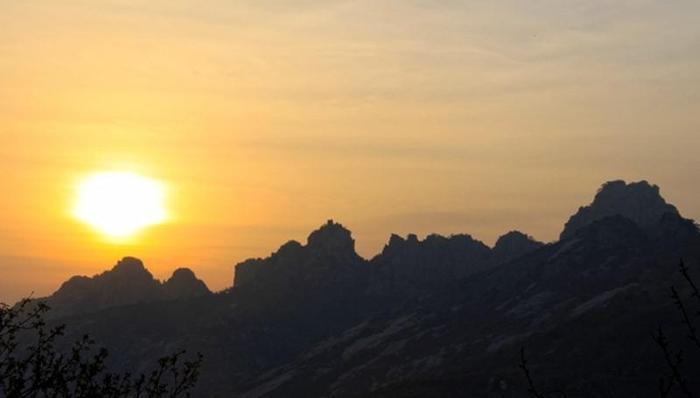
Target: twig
(692,330)
(673,361)
(665,389)
(531,384)
(693,286)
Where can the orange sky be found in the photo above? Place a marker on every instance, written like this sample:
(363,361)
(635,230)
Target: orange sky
(264,119)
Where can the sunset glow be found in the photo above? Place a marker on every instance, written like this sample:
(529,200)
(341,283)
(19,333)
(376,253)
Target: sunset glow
(264,118)
(119,204)
(278,198)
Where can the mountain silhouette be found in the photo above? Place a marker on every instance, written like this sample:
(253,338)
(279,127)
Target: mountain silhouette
(128,282)
(512,245)
(184,284)
(409,267)
(441,316)
(328,262)
(641,202)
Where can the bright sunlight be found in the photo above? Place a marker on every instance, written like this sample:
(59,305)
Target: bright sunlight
(119,204)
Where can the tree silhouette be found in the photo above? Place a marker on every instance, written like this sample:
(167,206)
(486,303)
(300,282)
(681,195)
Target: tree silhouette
(31,365)
(674,359)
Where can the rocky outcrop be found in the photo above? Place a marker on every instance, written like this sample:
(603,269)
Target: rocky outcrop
(128,282)
(641,202)
(513,245)
(405,268)
(328,261)
(411,266)
(332,239)
(183,284)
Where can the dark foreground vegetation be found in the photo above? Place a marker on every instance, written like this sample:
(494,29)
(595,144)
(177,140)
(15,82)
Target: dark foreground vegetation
(32,365)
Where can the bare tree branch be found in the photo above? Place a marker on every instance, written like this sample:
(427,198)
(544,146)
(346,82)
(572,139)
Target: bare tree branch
(36,368)
(532,390)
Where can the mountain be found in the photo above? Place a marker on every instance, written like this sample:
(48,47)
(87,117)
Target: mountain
(409,267)
(442,316)
(512,245)
(405,267)
(328,261)
(584,307)
(641,202)
(128,282)
(183,284)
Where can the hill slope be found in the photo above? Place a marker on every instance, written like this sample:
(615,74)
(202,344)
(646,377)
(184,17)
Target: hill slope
(443,316)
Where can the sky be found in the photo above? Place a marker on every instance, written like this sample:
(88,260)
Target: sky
(265,118)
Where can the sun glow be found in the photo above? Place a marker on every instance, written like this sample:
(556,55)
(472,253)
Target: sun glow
(119,204)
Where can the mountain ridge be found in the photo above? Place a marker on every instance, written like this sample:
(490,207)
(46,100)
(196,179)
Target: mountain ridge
(128,282)
(639,201)
(436,316)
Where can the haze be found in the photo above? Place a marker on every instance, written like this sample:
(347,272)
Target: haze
(265,118)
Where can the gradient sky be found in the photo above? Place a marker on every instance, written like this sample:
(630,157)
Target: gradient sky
(267,117)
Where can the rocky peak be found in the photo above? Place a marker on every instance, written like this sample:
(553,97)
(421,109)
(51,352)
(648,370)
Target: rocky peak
(129,267)
(328,258)
(128,282)
(184,274)
(290,248)
(640,202)
(412,267)
(398,244)
(184,284)
(331,238)
(395,240)
(513,245)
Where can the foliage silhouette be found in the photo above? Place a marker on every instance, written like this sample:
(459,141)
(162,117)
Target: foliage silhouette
(31,365)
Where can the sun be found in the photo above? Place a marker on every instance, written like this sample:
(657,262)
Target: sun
(120,204)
